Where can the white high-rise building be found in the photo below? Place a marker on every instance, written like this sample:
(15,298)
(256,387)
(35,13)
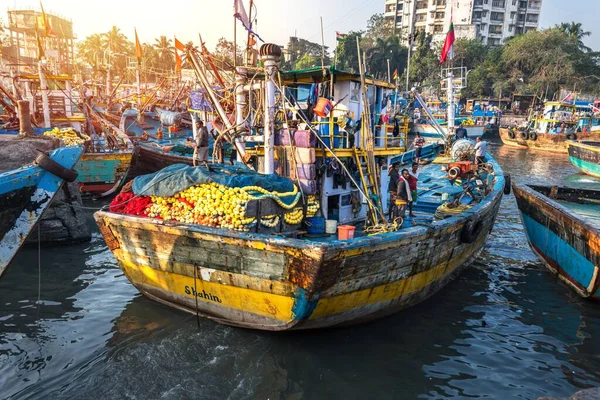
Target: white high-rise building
(491,21)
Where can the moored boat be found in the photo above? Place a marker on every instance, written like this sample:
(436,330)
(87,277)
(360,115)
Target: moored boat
(428,131)
(257,268)
(585,155)
(25,193)
(563,229)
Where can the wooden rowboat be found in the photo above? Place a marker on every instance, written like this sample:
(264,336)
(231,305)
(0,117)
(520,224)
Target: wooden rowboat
(272,282)
(585,155)
(25,193)
(563,230)
(148,159)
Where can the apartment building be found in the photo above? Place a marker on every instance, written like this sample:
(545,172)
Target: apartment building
(491,21)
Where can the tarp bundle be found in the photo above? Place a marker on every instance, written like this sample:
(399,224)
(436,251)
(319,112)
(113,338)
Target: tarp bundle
(178,177)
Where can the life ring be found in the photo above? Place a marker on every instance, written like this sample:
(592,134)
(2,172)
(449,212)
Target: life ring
(524,135)
(571,136)
(532,136)
(511,134)
(471,231)
(507,184)
(454,173)
(44,161)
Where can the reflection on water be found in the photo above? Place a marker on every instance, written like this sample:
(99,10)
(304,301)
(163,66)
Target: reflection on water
(503,329)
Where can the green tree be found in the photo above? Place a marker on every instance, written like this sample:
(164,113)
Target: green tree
(303,52)
(385,49)
(347,55)
(575,30)
(424,63)
(224,53)
(165,52)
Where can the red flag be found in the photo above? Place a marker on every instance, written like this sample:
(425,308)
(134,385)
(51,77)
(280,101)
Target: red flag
(179,46)
(138,47)
(448,49)
(47,29)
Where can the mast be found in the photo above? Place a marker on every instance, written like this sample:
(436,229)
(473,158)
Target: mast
(44,90)
(450,92)
(270,55)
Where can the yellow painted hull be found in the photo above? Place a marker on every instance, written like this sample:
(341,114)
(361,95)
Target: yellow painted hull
(272,283)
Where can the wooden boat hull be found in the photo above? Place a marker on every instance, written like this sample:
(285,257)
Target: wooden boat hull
(103,173)
(273,283)
(147,160)
(515,141)
(568,245)
(25,194)
(551,142)
(585,155)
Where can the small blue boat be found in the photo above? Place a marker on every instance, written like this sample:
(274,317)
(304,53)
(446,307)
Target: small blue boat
(563,229)
(26,192)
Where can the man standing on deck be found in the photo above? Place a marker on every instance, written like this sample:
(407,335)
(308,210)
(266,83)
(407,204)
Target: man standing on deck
(394,175)
(201,150)
(413,177)
(480,151)
(403,195)
(419,142)
(461,133)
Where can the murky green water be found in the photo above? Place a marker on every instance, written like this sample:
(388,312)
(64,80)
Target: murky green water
(504,329)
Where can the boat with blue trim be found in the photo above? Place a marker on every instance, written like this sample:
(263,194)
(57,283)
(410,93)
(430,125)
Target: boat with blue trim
(585,155)
(26,192)
(563,229)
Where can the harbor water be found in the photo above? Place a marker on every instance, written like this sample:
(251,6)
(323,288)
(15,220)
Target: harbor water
(505,328)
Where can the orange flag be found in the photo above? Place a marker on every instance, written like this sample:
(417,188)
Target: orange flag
(177,61)
(47,29)
(179,46)
(138,47)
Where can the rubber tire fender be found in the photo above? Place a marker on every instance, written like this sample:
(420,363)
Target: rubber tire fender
(507,183)
(524,135)
(44,161)
(532,136)
(471,231)
(511,134)
(571,136)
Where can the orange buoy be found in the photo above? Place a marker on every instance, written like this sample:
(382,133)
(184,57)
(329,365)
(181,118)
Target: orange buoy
(323,107)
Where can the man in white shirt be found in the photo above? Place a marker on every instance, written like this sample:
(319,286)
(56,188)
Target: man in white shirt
(480,151)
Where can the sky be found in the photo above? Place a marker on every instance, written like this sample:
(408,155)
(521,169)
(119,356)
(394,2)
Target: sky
(276,19)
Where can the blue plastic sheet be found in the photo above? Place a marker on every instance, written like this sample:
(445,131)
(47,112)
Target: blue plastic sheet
(177,177)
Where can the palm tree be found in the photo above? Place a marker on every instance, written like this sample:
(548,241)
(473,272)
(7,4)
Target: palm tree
(189,48)
(575,31)
(90,51)
(383,50)
(166,52)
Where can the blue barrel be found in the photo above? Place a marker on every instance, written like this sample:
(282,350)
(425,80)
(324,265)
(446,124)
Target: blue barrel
(315,225)
(324,133)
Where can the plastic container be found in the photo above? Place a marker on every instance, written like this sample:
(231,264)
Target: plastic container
(315,225)
(304,139)
(324,133)
(305,156)
(306,171)
(330,226)
(345,232)
(323,107)
(309,186)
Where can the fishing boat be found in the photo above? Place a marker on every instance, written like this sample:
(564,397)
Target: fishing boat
(428,131)
(563,229)
(585,155)
(276,275)
(25,193)
(550,129)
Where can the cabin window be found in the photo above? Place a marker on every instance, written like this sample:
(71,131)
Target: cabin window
(333,207)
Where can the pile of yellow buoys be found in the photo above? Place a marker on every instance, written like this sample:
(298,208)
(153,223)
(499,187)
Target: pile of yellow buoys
(220,206)
(468,122)
(69,136)
(312,206)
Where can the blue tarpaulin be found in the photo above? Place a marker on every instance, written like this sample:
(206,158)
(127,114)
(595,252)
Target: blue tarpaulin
(177,177)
